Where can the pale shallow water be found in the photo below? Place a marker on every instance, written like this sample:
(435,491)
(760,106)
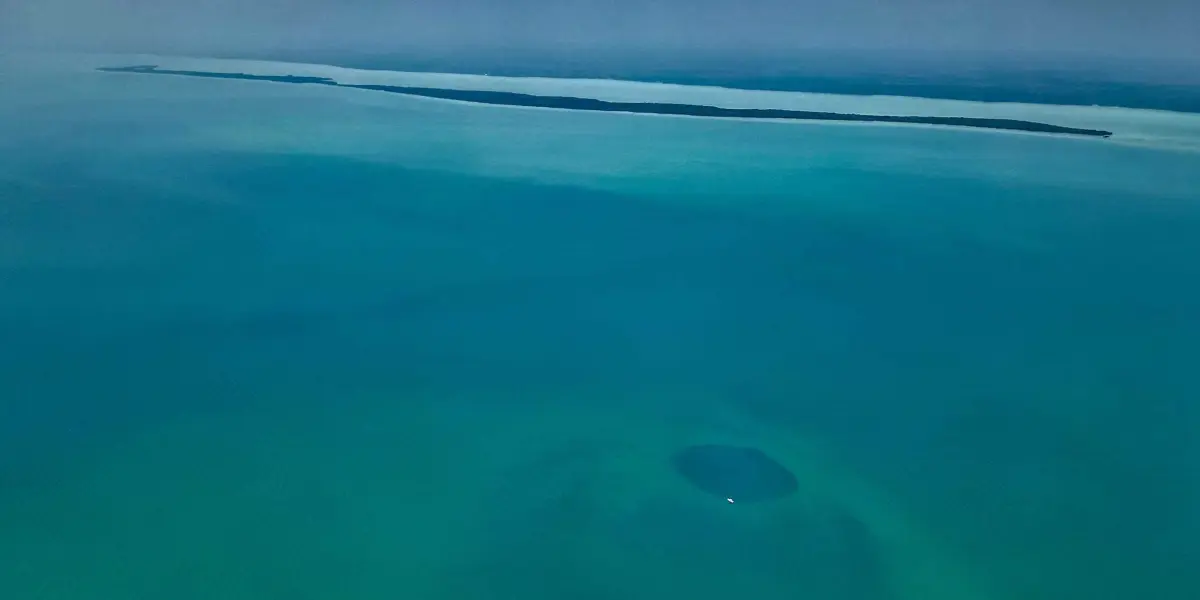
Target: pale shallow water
(278,342)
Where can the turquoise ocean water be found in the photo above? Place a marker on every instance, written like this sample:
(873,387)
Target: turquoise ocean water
(270,341)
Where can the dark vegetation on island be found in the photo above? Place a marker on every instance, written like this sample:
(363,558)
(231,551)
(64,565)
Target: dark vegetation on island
(657,108)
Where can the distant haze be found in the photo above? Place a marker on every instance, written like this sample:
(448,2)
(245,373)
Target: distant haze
(1164,29)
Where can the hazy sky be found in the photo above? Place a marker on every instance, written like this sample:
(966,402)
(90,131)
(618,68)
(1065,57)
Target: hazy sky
(1154,28)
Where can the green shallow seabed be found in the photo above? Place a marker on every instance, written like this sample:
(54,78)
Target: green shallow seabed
(372,502)
(289,343)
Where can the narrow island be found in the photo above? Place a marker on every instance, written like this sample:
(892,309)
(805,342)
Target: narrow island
(651,108)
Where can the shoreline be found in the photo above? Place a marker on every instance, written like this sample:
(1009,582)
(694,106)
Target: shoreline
(525,100)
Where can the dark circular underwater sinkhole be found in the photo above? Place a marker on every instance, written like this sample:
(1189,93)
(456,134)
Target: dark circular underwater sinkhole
(735,473)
